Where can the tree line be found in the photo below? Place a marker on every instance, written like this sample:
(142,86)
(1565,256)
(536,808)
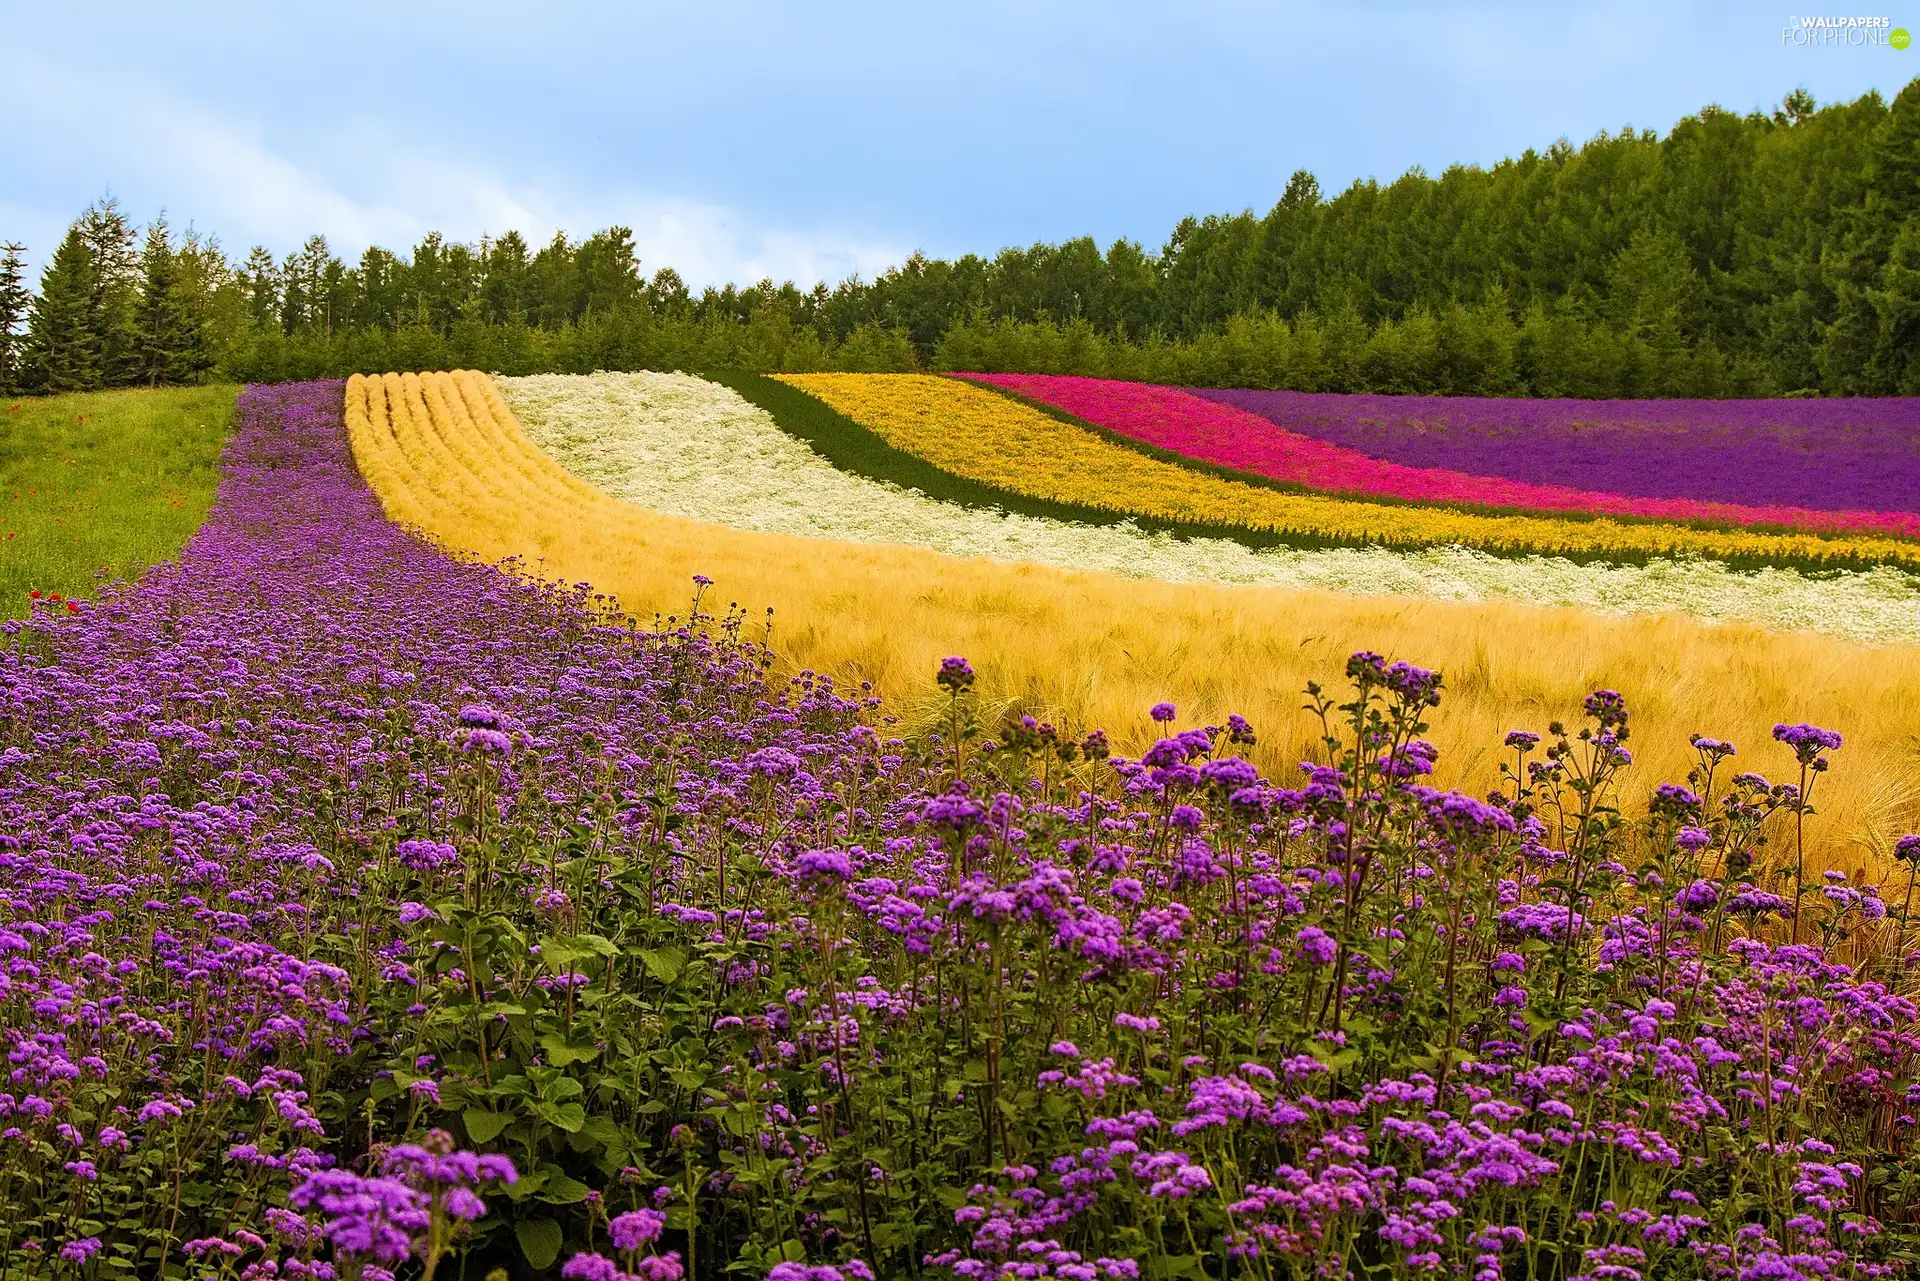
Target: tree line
(114,309)
(1763,254)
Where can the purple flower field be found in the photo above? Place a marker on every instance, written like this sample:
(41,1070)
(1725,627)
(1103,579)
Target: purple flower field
(366,913)
(1829,455)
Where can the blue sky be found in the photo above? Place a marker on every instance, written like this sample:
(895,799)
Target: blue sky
(809,140)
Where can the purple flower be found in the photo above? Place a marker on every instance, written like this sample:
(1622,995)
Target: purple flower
(1413,684)
(1673,799)
(1317,946)
(1365,666)
(853,1271)
(1607,707)
(1752,902)
(1162,712)
(1460,816)
(1543,920)
(1822,455)
(955,675)
(824,866)
(489,742)
(425,856)
(1699,896)
(1229,773)
(590,1267)
(954,810)
(660,1267)
(81,1250)
(1807,741)
(635,1228)
(375,1218)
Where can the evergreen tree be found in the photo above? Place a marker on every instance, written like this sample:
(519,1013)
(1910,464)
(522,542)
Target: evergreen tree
(13,310)
(63,348)
(213,304)
(161,321)
(116,287)
(261,281)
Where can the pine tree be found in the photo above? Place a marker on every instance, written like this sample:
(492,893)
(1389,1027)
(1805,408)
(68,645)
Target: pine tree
(116,286)
(261,280)
(211,300)
(160,319)
(63,348)
(13,310)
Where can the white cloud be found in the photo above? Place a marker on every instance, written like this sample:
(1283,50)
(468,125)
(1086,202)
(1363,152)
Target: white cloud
(224,175)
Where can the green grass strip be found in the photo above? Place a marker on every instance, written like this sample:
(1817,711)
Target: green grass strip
(109,481)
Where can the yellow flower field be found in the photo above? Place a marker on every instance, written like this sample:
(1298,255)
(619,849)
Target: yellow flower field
(987,437)
(443,453)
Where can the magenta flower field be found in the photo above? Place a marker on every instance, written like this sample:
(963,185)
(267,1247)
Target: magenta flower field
(369,913)
(1836,469)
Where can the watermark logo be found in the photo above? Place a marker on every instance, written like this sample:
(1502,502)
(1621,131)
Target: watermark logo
(1844,33)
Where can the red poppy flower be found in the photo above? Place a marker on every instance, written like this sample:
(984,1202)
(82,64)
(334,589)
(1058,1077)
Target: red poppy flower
(35,594)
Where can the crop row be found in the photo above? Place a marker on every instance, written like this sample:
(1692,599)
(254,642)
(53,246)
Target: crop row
(1854,453)
(1094,649)
(688,447)
(1211,428)
(978,434)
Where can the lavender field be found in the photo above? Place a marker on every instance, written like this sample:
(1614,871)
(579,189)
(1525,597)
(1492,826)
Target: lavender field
(370,913)
(1860,453)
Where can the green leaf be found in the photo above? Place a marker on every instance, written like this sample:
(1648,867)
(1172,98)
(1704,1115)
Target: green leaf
(561,952)
(484,1126)
(557,954)
(565,1116)
(539,1241)
(892,1236)
(562,1190)
(562,1052)
(665,964)
(555,1088)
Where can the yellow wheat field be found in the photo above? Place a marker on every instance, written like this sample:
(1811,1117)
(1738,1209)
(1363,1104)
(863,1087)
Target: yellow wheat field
(443,452)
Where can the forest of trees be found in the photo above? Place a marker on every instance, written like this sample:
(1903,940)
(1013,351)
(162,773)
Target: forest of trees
(1765,254)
